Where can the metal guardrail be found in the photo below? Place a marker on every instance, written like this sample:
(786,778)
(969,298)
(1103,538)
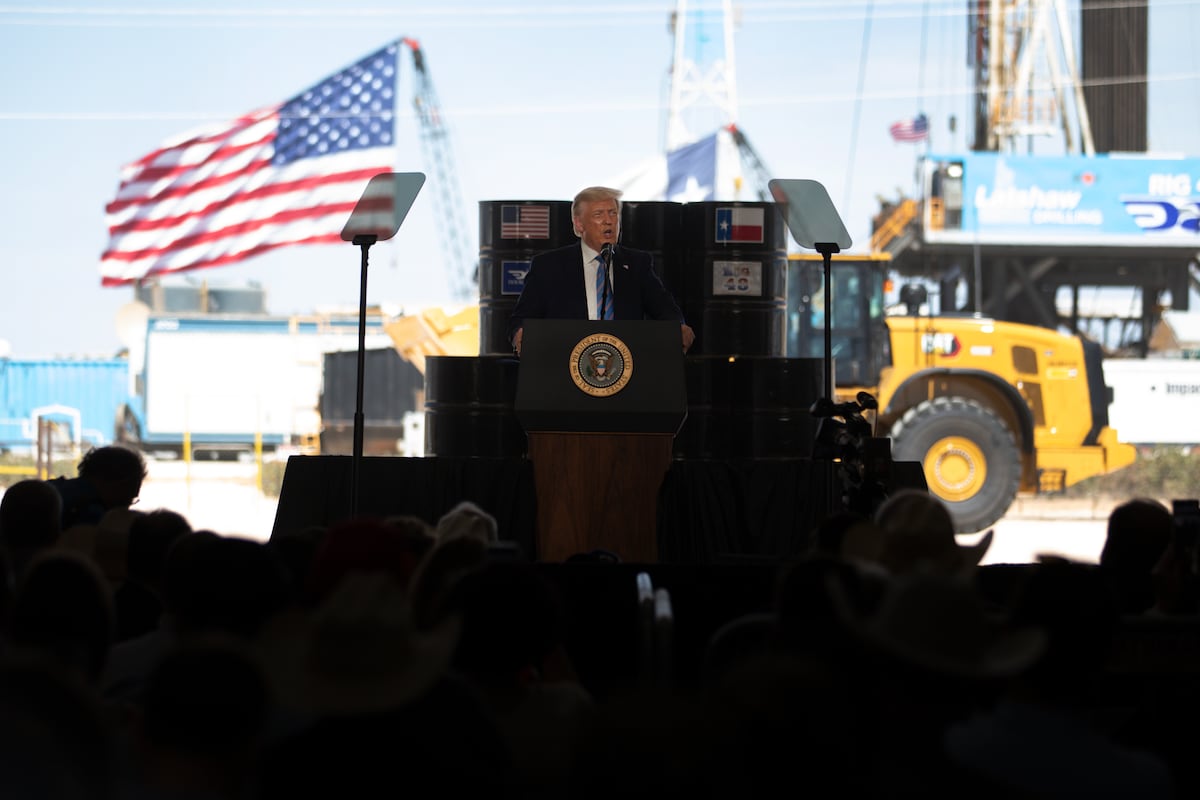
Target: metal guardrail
(43,453)
(45,447)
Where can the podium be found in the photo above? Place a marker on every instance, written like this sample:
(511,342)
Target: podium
(600,402)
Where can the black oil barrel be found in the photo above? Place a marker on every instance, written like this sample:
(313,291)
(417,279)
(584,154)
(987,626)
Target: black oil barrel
(469,407)
(511,233)
(735,278)
(657,228)
(770,402)
(706,432)
(749,407)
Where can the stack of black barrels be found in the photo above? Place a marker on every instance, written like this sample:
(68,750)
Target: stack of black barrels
(469,401)
(726,264)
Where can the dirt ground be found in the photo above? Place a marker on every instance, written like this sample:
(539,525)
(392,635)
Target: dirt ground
(221,496)
(1034,526)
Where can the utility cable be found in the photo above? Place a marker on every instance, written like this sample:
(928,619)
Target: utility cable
(858,98)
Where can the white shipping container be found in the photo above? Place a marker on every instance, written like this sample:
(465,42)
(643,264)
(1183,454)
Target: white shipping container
(228,379)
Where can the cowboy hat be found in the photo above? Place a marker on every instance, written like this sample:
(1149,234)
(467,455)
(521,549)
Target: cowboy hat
(359,651)
(915,532)
(939,624)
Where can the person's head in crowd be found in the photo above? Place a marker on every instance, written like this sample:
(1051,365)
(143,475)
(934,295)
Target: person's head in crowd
(807,618)
(150,538)
(183,592)
(111,543)
(116,472)
(597,555)
(831,531)
(1073,604)
(55,741)
(918,536)
(109,477)
(1138,534)
(940,625)
(468,519)
(512,620)
(439,571)
(30,521)
(139,597)
(359,651)
(203,720)
(297,550)
(222,584)
(413,530)
(394,545)
(63,609)
(1176,577)
(931,654)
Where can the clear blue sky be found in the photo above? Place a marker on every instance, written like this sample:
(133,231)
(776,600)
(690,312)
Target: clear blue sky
(89,87)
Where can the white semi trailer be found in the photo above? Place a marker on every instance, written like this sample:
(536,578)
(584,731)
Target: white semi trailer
(227,382)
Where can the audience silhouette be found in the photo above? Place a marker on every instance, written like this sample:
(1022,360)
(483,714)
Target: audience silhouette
(138,598)
(30,522)
(407,656)
(109,478)
(1138,534)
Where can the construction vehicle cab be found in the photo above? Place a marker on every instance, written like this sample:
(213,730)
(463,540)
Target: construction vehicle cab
(989,408)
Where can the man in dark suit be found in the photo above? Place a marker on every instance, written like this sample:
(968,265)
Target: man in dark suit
(563,284)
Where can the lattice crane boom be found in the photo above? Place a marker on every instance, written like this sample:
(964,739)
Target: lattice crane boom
(461,266)
(750,157)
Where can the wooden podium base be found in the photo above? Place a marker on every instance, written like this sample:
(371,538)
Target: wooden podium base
(598,491)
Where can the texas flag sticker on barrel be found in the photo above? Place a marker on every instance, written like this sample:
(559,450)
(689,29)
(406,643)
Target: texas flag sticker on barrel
(739,224)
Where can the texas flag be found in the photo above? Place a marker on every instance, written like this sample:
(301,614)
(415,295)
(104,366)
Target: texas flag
(692,171)
(739,224)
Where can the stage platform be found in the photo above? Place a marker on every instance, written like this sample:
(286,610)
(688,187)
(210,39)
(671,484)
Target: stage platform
(709,511)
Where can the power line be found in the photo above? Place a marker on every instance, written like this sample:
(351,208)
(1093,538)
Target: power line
(858,98)
(492,16)
(509,110)
(549,10)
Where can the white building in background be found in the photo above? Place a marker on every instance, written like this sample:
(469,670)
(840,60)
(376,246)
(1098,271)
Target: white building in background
(1177,335)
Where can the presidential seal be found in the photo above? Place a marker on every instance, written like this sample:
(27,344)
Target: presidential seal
(601,365)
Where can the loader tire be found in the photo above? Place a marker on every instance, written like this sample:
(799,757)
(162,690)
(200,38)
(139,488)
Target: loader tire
(968,454)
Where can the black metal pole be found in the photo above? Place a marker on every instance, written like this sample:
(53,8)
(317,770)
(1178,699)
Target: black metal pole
(831,471)
(364,241)
(827,251)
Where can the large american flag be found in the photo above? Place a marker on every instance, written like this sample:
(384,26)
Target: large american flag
(284,175)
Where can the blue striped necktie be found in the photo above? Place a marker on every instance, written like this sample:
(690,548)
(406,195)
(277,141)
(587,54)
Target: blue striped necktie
(604,300)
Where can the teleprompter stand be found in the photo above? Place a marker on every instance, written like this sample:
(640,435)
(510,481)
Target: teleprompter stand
(815,224)
(376,217)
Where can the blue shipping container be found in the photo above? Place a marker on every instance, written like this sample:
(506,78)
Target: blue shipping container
(84,396)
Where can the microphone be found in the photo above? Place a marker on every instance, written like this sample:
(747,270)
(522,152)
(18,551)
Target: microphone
(606,256)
